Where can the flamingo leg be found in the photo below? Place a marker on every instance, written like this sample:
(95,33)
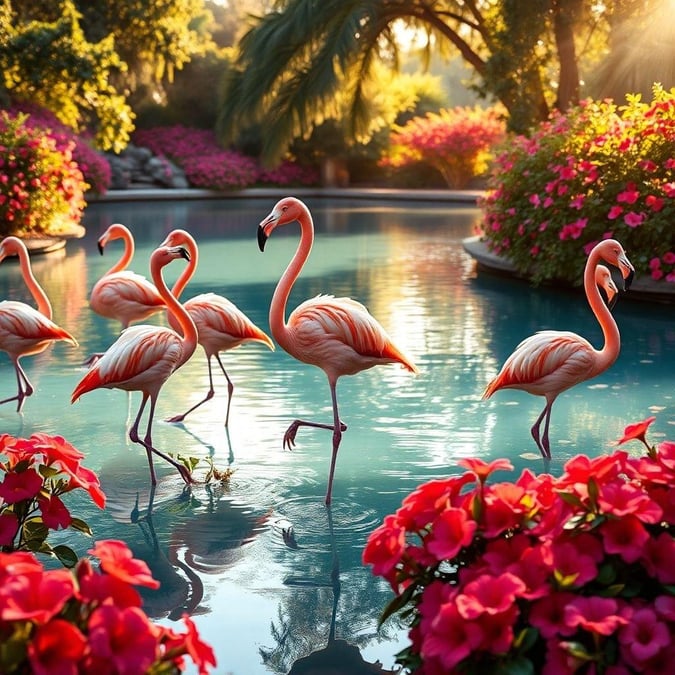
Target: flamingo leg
(133,435)
(150,448)
(208,397)
(230,387)
(542,442)
(24,387)
(337,437)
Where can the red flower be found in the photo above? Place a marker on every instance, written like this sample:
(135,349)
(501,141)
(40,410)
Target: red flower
(636,431)
(201,653)
(482,470)
(36,596)
(9,526)
(123,638)
(489,595)
(625,536)
(118,561)
(54,512)
(19,486)
(643,637)
(55,648)
(451,530)
(385,547)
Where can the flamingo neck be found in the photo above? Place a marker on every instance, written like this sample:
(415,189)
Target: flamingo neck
(188,270)
(610,331)
(178,312)
(40,297)
(277,317)
(129,249)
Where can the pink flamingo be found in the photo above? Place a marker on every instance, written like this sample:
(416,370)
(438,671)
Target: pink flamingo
(144,357)
(549,362)
(25,331)
(221,325)
(336,334)
(120,293)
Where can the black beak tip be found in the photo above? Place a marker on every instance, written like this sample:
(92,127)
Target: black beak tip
(184,253)
(262,238)
(100,248)
(628,280)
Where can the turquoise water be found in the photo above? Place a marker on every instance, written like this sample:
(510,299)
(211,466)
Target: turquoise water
(268,573)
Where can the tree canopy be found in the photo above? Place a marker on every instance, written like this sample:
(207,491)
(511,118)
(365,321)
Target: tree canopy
(527,55)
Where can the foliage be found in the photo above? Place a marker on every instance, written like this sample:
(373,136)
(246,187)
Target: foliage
(458,142)
(207,165)
(38,471)
(600,171)
(300,59)
(541,575)
(41,187)
(89,621)
(51,64)
(92,164)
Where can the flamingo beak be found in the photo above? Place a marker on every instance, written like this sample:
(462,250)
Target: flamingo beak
(627,271)
(100,247)
(609,295)
(262,237)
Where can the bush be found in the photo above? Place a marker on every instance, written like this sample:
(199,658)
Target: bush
(598,172)
(207,165)
(541,575)
(458,143)
(91,163)
(42,188)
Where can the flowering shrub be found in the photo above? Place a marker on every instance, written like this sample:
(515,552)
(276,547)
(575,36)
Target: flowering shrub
(57,621)
(41,187)
(93,165)
(541,575)
(37,472)
(457,142)
(209,166)
(89,621)
(599,171)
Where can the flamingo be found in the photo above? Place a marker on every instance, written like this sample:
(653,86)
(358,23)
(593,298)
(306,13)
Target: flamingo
(550,362)
(143,358)
(221,325)
(25,331)
(120,293)
(336,334)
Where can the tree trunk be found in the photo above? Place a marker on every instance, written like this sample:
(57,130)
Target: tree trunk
(565,13)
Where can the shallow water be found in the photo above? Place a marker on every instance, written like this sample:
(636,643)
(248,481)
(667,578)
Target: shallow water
(270,574)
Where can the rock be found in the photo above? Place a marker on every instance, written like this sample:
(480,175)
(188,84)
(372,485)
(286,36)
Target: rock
(138,166)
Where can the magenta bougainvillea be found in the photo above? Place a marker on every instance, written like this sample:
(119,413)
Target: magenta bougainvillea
(458,142)
(540,575)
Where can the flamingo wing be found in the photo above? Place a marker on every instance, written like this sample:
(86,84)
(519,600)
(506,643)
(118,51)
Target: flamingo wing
(22,327)
(221,324)
(126,296)
(340,334)
(141,359)
(547,362)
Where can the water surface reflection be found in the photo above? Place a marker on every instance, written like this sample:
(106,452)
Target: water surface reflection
(269,574)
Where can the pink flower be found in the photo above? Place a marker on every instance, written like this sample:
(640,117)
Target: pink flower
(633,219)
(451,530)
(55,515)
(124,638)
(548,615)
(629,195)
(489,595)
(643,637)
(385,547)
(615,212)
(625,536)
(636,431)
(659,554)
(574,564)
(594,614)
(9,526)
(19,486)
(656,204)
(482,470)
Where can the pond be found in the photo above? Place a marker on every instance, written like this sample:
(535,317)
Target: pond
(269,574)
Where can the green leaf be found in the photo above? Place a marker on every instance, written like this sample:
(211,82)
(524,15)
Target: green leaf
(34,530)
(399,602)
(578,650)
(79,525)
(518,666)
(571,499)
(67,557)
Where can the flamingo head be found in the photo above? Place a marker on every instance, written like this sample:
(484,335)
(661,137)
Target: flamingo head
(114,231)
(163,255)
(181,238)
(10,246)
(606,286)
(611,251)
(286,210)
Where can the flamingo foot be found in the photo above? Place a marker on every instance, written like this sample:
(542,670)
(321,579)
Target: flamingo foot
(175,418)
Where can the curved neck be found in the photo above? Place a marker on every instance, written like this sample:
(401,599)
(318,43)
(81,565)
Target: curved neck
(40,297)
(128,254)
(175,309)
(189,269)
(610,331)
(283,290)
